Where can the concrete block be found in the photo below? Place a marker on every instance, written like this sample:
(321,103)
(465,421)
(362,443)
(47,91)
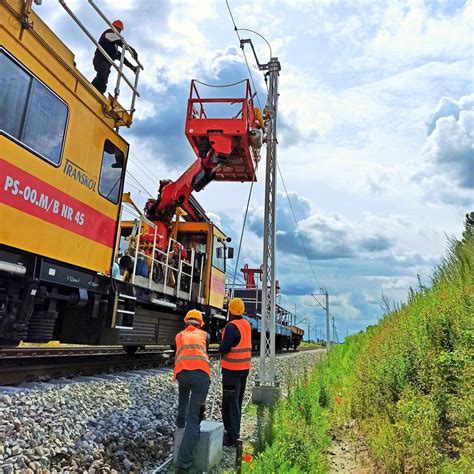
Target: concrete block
(265,394)
(208,450)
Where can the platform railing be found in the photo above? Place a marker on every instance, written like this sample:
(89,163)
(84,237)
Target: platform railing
(179,267)
(200,113)
(119,68)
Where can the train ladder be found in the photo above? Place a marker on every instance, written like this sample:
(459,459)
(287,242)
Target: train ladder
(125,312)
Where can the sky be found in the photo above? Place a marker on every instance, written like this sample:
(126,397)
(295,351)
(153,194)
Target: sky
(375,132)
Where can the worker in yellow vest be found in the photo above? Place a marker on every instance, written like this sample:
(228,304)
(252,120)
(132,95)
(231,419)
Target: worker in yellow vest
(236,351)
(193,372)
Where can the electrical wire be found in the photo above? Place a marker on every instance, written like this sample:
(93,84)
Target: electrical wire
(258,34)
(135,187)
(139,184)
(230,274)
(142,174)
(297,227)
(144,165)
(220,86)
(243,229)
(243,51)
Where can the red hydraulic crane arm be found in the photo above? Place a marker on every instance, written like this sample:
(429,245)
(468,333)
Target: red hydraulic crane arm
(227,149)
(173,194)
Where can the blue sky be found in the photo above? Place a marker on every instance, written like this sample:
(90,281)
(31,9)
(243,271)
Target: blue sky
(375,131)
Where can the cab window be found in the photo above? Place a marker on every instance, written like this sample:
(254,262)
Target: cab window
(111,172)
(218,255)
(29,112)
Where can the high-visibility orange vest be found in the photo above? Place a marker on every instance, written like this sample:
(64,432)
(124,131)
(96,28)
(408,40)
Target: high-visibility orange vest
(191,351)
(238,358)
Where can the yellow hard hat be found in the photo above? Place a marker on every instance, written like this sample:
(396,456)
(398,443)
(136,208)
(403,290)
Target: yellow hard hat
(236,306)
(194,314)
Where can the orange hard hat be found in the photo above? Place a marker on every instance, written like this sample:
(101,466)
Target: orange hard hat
(236,306)
(118,24)
(194,314)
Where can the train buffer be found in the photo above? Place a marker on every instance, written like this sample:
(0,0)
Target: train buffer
(226,133)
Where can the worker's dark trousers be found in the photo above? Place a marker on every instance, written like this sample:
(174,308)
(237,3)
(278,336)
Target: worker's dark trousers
(102,67)
(193,387)
(232,398)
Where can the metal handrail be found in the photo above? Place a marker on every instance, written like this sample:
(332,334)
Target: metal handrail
(126,46)
(166,264)
(195,98)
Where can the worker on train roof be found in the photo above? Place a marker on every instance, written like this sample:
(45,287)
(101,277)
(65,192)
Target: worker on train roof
(236,351)
(193,372)
(110,42)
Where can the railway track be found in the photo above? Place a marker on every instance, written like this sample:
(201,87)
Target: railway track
(32,364)
(28,364)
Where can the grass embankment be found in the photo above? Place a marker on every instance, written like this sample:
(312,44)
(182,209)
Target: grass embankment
(407,382)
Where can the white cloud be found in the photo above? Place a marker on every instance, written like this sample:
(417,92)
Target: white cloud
(450,142)
(342,305)
(408,32)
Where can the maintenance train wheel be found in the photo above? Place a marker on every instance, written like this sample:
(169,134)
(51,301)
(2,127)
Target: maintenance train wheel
(130,349)
(5,343)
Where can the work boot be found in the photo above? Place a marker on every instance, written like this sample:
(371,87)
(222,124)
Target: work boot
(229,442)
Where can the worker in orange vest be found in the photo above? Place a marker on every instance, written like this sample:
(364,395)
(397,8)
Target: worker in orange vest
(193,372)
(236,351)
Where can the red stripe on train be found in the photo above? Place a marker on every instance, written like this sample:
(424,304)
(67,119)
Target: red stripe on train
(29,194)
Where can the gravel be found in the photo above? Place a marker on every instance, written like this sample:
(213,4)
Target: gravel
(108,425)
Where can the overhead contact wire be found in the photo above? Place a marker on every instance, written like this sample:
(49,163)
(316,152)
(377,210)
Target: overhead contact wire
(297,226)
(243,51)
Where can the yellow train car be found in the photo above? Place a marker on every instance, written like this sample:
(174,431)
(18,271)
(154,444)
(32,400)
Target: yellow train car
(61,162)
(62,167)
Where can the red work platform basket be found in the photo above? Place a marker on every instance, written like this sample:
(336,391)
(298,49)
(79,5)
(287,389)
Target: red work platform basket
(228,145)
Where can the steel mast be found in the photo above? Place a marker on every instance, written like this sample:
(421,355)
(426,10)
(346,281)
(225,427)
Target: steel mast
(266,388)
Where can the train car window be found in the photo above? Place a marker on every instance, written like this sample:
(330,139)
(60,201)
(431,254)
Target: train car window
(218,255)
(111,172)
(14,86)
(45,123)
(31,113)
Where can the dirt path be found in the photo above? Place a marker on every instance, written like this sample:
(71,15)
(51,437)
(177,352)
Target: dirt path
(349,453)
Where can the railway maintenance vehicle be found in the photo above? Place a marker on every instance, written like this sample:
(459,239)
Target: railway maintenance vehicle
(72,268)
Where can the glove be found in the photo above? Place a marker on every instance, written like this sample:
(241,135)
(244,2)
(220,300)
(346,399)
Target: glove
(134,53)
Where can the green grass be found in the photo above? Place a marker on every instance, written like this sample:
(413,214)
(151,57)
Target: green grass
(412,391)
(298,440)
(306,344)
(408,382)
